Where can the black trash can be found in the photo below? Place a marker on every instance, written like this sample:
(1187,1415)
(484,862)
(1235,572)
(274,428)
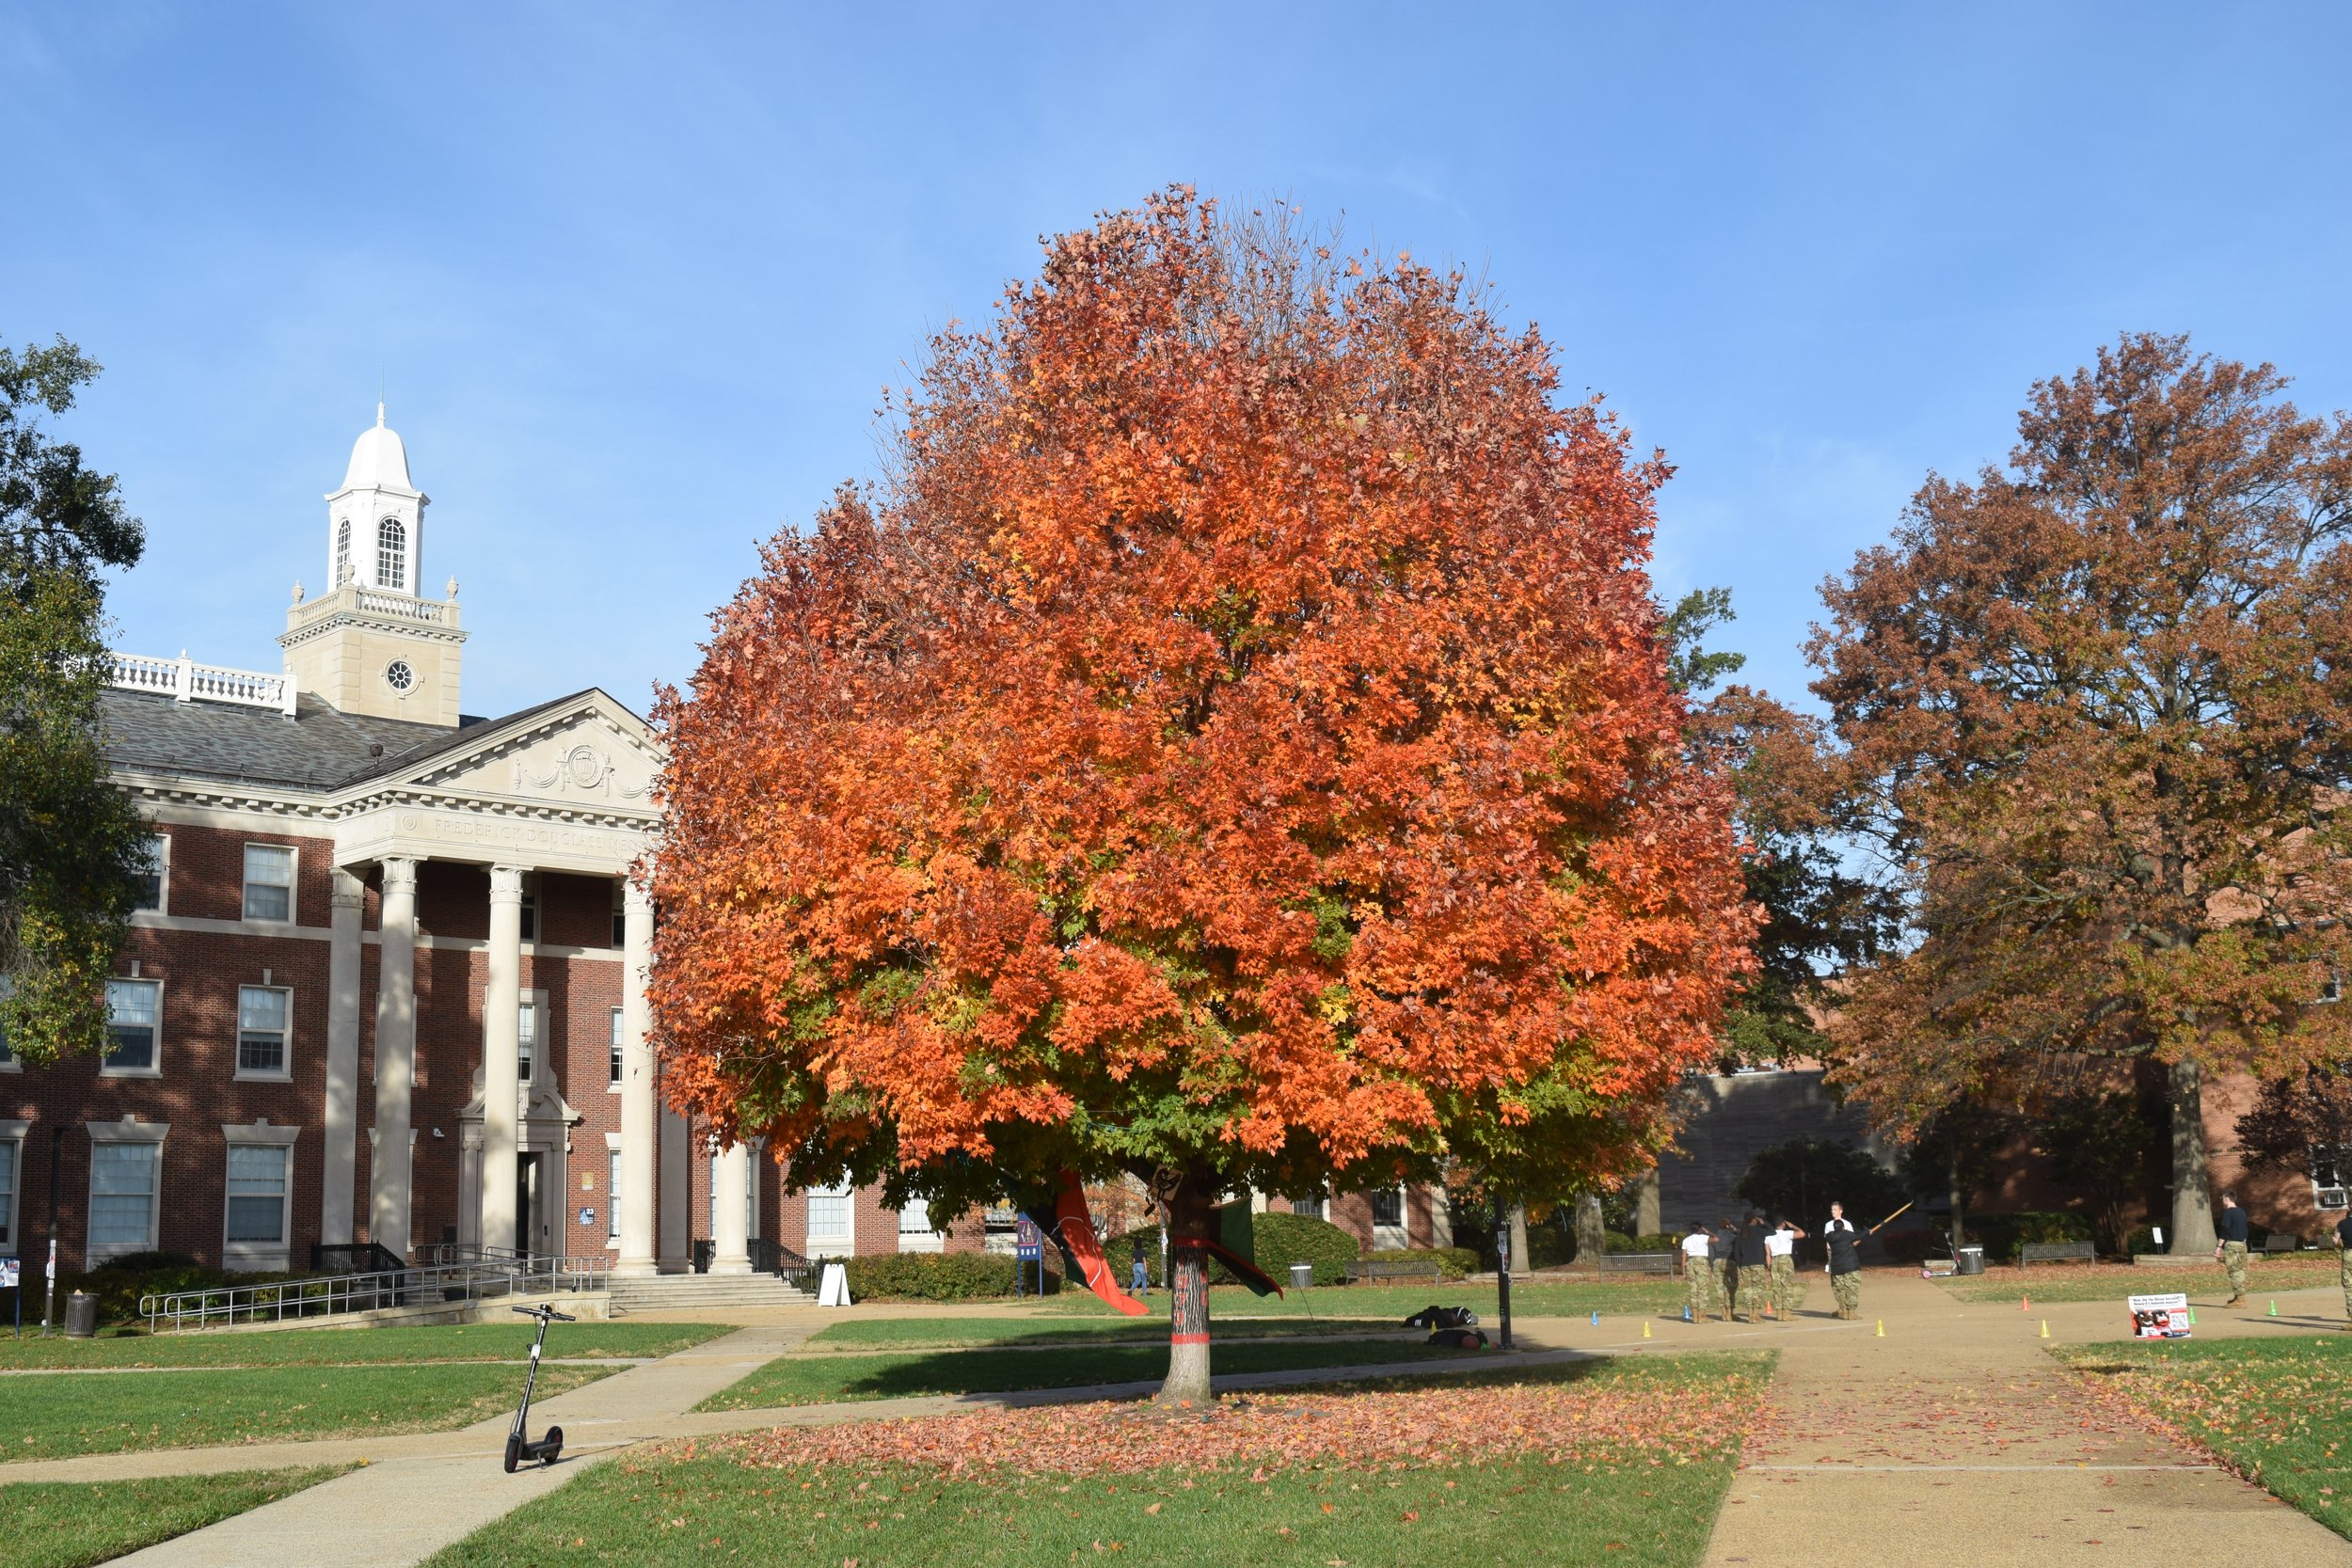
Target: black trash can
(1970,1261)
(81,1315)
(1302,1276)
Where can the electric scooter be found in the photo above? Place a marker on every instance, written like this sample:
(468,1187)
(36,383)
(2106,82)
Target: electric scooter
(518,1444)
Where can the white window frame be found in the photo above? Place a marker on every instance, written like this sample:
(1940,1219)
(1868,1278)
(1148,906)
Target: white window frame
(160,844)
(12,1137)
(397,557)
(1403,1228)
(534,1007)
(154,1067)
(124,1131)
(285,1043)
(921,1236)
(840,1244)
(614,1060)
(293,885)
(249,1257)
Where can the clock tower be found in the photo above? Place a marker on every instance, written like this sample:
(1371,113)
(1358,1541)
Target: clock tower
(370,643)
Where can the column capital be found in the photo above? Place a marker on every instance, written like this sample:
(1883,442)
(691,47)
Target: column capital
(346,891)
(506,885)
(400,871)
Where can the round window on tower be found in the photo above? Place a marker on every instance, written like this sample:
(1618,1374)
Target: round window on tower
(399,677)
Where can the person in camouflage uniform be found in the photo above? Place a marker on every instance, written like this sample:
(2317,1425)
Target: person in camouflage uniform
(1755,1277)
(1780,1256)
(1845,1262)
(2231,1249)
(1698,1272)
(2343,1269)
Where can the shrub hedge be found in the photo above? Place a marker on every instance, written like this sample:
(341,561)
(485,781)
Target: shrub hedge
(1656,1241)
(1282,1240)
(940,1275)
(1452,1261)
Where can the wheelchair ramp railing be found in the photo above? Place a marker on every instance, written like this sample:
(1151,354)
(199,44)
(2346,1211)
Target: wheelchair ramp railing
(328,1295)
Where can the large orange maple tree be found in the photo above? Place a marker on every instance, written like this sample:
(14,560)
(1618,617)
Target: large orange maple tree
(1232,747)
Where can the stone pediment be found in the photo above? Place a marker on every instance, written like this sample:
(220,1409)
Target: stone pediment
(590,756)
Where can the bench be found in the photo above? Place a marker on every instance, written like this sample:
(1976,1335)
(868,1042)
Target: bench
(1637,1263)
(2057,1252)
(2279,1241)
(1416,1269)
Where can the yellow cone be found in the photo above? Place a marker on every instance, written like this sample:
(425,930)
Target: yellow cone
(1645,1328)
(1882,1328)
(2045,1329)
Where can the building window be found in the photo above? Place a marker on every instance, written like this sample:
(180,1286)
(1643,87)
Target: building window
(612,1195)
(122,1198)
(133,1008)
(615,1080)
(342,552)
(11,1152)
(527,1034)
(262,1013)
(1310,1206)
(530,906)
(391,555)
(257,1198)
(830,1231)
(1388,1219)
(269,877)
(152,871)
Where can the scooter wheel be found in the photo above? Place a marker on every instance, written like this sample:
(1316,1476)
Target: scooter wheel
(551,1444)
(513,1453)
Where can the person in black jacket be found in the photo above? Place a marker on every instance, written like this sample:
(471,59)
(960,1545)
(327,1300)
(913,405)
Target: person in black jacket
(2231,1249)
(1755,1277)
(2343,1268)
(1845,1262)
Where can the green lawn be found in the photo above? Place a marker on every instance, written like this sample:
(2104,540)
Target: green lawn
(2204,1282)
(825,1379)
(904,1332)
(354,1347)
(72,1525)
(2278,1410)
(54,1415)
(706,1505)
(1639,1294)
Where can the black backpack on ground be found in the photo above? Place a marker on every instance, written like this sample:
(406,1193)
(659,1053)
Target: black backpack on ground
(1443,1317)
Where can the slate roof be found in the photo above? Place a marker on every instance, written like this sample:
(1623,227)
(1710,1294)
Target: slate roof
(318,749)
(451,740)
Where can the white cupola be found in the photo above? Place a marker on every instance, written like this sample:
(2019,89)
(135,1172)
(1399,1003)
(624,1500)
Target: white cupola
(372,643)
(375,521)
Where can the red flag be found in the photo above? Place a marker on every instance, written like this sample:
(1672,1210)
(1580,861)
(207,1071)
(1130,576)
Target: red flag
(1076,1228)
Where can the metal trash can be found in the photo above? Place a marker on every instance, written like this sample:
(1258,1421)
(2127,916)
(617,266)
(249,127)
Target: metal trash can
(1970,1261)
(1302,1276)
(81,1315)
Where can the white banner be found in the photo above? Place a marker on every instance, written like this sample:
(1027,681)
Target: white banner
(2164,1317)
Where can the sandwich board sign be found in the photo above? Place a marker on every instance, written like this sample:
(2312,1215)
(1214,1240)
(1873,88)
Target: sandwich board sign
(2160,1316)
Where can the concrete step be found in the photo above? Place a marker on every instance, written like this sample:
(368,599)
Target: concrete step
(679,1292)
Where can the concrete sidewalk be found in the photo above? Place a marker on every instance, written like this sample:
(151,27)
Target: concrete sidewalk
(1956,1439)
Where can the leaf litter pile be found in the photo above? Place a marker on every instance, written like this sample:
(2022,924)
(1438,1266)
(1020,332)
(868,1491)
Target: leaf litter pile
(1616,1422)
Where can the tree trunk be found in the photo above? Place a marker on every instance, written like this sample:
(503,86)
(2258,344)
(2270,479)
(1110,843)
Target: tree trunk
(2192,1197)
(1648,1220)
(1592,1230)
(1959,1199)
(1191,1216)
(1504,1259)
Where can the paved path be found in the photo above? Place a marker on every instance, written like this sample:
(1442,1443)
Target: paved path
(1956,1439)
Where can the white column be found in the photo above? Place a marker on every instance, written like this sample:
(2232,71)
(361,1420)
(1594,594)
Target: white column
(340,1120)
(730,1195)
(395,1055)
(502,1053)
(639,1108)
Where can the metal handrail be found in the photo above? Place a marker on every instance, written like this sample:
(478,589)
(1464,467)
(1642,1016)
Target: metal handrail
(291,1300)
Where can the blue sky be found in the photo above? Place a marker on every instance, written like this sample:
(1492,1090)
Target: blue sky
(636,276)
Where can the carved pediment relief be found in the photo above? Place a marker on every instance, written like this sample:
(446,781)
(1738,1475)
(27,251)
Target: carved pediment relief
(588,760)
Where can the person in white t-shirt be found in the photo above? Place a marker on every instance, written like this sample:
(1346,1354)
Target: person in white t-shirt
(1780,1253)
(1698,1274)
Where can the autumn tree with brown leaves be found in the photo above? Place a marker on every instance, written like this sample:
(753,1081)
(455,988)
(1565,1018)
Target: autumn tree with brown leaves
(1232,748)
(2096,713)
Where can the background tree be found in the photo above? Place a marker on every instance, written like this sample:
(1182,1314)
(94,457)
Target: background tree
(1234,750)
(2100,1143)
(2301,1124)
(1799,1179)
(71,844)
(2095,717)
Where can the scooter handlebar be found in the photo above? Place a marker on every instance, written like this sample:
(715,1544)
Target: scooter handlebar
(545,1312)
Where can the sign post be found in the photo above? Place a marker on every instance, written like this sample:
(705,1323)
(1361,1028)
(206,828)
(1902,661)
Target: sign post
(1029,1246)
(12,1279)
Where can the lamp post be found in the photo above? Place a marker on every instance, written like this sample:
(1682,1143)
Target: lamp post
(49,1295)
